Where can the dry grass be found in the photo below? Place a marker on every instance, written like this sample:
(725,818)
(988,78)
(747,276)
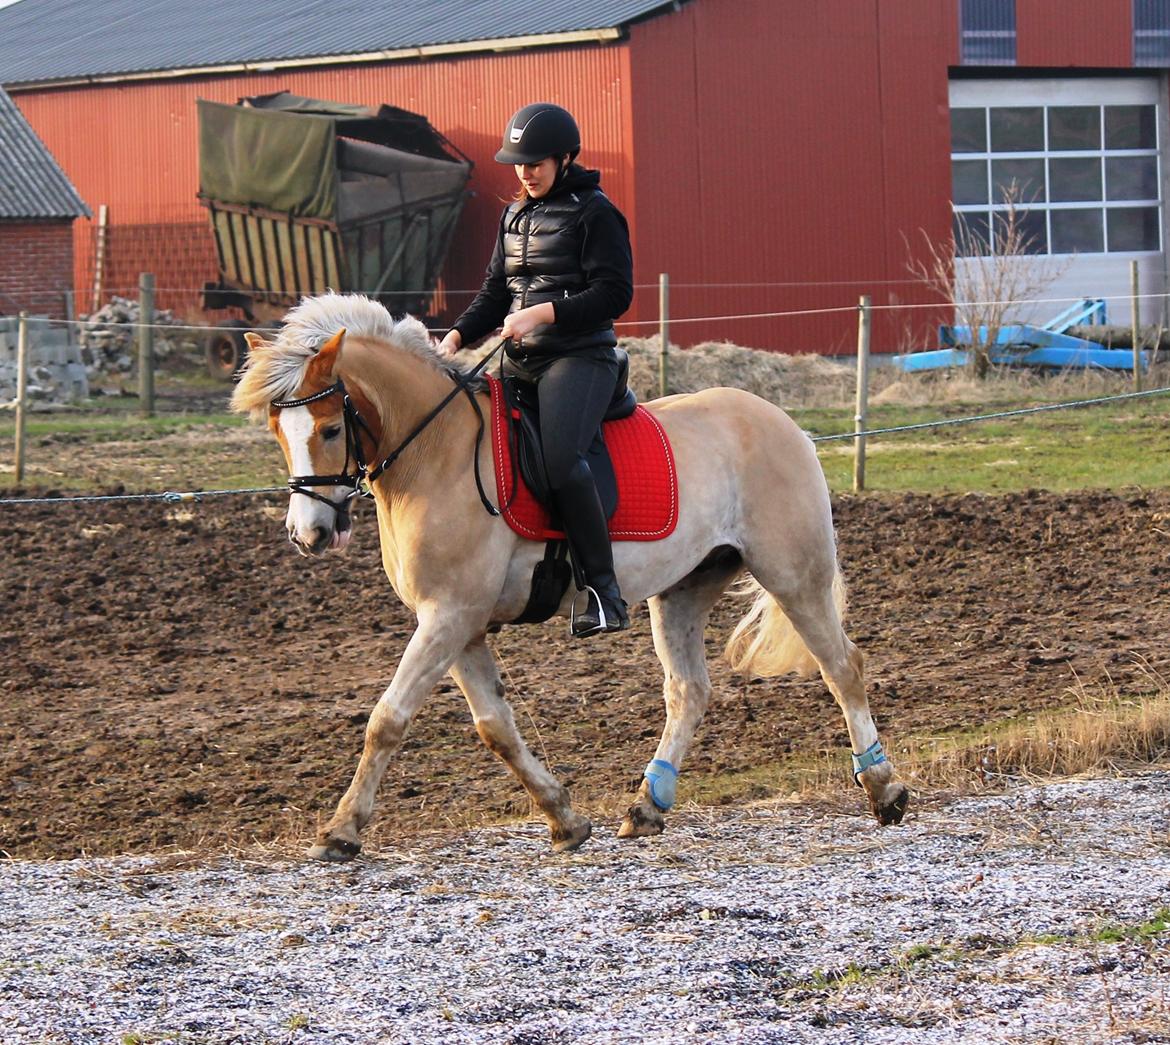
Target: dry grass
(810,381)
(813,381)
(1106,731)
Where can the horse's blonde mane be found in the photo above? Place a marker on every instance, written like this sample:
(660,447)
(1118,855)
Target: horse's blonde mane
(276,369)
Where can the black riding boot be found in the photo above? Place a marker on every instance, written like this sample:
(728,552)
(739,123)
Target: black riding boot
(585,526)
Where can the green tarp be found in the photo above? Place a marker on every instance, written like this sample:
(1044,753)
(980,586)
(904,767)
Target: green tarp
(281,161)
(292,155)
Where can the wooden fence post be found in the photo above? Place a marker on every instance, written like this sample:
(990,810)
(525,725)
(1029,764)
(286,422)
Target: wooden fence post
(663,330)
(1135,303)
(146,344)
(862,402)
(21,392)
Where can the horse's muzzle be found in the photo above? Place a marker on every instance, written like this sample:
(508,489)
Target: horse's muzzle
(321,539)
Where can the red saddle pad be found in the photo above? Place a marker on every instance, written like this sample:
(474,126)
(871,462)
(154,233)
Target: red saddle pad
(643,463)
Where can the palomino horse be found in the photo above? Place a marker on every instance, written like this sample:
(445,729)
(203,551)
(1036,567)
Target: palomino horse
(343,382)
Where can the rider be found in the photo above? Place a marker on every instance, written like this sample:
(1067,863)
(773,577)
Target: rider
(560,274)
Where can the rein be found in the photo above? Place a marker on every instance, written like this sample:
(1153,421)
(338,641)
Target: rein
(360,482)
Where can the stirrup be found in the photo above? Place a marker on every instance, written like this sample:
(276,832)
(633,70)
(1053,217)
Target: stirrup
(586,624)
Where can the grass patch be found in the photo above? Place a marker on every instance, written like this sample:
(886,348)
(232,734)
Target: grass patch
(1095,447)
(1157,924)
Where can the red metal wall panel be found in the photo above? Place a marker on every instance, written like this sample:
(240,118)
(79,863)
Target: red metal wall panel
(1074,33)
(134,147)
(784,150)
(916,163)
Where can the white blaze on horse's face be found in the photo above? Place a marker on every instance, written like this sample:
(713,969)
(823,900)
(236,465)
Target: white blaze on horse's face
(314,444)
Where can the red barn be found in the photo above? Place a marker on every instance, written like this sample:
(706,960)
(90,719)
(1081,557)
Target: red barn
(772,156)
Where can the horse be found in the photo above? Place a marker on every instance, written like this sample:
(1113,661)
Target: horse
(343,383)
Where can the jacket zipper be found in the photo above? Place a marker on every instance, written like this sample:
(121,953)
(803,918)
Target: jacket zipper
(524,256)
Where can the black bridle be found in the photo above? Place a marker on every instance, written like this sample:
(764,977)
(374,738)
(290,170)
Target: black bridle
(360,481)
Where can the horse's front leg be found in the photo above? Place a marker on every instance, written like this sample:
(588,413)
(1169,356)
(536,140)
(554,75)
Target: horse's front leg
(477,675)
(428,655)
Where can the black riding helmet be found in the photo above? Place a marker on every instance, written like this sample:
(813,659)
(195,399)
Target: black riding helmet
(537,131)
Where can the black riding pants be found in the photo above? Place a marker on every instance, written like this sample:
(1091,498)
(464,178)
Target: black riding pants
(574,393)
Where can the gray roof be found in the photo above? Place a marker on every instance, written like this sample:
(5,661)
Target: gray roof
(31,183)
(47,40)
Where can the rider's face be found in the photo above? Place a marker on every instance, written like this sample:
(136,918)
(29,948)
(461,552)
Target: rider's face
(538,178)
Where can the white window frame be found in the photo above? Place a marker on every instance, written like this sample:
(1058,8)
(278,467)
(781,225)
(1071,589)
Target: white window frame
(1088,94)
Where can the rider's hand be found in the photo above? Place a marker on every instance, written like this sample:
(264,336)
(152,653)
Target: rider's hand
(451,344)
(526,320)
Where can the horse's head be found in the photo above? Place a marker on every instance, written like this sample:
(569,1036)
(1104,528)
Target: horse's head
(330,429)
(321,447)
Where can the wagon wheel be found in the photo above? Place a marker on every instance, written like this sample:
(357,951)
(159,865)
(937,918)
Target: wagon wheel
(226,349)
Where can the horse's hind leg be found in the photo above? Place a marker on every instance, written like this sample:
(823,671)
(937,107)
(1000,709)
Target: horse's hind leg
(814,615)
(678,618)
(477,675)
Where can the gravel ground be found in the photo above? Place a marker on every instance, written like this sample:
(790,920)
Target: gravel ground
(1036,916)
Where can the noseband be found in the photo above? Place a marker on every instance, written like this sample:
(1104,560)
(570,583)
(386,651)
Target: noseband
(354,425)
(360,482)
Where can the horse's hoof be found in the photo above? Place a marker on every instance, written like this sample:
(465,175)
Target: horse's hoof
(641,822)
(334,850)
(565,841)
(890,813)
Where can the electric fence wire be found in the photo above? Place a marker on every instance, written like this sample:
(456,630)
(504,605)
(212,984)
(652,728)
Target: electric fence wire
(624,323)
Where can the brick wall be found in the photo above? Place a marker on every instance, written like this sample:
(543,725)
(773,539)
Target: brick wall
(36,266)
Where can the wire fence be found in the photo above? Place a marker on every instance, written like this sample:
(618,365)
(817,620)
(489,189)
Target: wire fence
(194,496)
(201,331)
(204,329)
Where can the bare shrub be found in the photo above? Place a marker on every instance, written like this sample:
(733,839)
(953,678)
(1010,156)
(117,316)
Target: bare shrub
(987,276)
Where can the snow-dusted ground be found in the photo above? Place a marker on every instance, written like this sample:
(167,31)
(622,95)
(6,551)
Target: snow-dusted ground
(1030,917)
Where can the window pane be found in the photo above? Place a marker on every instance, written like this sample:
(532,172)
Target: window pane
(1017,129)
(1131,177)
(987,31)
(1151,14)
(968,181)
(1070,179)
(968,130)
(1133,228)
(1028,236)
(1151,32)
(1151,47)
(1021,181)
(987,14)
(1131,127)
(970,231)
(1074,127)
(1077,230)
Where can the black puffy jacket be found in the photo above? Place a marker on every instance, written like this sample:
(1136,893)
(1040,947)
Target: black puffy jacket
(571,247)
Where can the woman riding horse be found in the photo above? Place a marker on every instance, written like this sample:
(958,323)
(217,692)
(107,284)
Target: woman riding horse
(560,274)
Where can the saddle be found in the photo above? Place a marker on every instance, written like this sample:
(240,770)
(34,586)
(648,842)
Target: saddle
(524,440)
(632,464)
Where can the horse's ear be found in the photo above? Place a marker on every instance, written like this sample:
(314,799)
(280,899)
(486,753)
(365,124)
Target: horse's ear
(325,361)
(254,340)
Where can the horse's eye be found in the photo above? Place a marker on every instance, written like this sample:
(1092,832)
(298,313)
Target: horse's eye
(332,432)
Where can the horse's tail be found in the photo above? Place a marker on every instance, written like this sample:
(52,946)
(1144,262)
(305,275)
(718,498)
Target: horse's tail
(765,643)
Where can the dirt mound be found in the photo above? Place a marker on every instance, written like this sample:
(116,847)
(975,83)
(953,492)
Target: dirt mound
(805,380)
